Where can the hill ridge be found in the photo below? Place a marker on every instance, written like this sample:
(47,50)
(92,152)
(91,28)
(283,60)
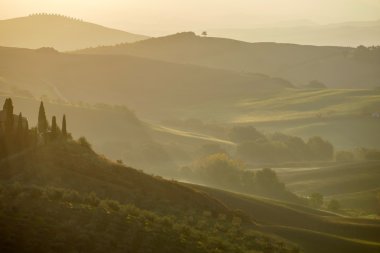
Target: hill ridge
(60,32)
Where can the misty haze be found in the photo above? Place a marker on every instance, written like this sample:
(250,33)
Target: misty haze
(198,127)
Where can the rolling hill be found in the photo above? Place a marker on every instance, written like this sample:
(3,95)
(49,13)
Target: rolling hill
(49,186)
(315,231)
(67,181)
(142,84)
(336,67)
(60,32)
(114,131)
(354,185)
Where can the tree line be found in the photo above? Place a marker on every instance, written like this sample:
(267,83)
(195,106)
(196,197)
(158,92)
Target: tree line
(16,136)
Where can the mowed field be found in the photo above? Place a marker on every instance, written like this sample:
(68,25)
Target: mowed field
(314,230)
(349,118)
(354,185)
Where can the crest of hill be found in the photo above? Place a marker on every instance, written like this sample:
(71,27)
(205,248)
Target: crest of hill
(60,32)
(119,79)
(69,165)
(75,167)
(336,67)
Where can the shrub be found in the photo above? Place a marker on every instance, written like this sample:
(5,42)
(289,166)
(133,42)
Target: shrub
(84,143)
(71,196)
(333,205)
(344,156)
(316,200)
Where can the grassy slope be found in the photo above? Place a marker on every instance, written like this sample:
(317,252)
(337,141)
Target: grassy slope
(74,167)
(355,185)
(59,32)
(343,116)
(45,220)
(313,230)
(143,84)
(71,167)
(300,64)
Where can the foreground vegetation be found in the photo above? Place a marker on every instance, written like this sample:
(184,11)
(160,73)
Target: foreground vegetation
(49,219)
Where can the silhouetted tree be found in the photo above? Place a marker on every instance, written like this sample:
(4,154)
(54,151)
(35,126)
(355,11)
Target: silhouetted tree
(321,149)
(8,110)
(20,133)
(54,128)
(19,124)
(64,130)
(42,121)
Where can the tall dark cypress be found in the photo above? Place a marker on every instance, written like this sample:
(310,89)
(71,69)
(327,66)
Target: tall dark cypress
(19,124)
(64,130)
(42,121)
(20,133)
(54,128)
(8,110)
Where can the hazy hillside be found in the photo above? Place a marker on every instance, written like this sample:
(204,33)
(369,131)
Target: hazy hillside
(142,84)
(69,180)
(308,33)
(355,185)
(314,231)
(336,67)
(72,166)
(114,131)
(59,32)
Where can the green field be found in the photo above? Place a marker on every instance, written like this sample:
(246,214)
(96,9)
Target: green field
(315,231)
(346,117)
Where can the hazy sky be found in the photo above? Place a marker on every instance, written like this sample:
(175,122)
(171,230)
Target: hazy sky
(155,16)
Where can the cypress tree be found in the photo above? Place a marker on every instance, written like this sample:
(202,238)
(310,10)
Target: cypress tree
(54,128)
(19,123)
(20,137)
(8,110)
(26,133)
(42,121)
(64,130)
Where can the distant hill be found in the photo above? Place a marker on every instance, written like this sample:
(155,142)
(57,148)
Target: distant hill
(142,84)
(307,33)
(335,67)
(60,32)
